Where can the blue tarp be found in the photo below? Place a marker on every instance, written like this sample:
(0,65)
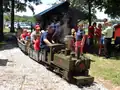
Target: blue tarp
(52,8)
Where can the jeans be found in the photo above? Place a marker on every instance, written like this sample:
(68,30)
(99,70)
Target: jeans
(90,45)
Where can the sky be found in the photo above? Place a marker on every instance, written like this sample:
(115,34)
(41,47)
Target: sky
(46,5)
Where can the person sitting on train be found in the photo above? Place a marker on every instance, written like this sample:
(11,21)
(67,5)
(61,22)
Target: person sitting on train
(34,33)
(79,35)
(98,34)
(73,31)
(46,38)
(37,43)
(24,35)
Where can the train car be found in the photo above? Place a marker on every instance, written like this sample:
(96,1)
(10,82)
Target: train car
(24,46)
(63,61)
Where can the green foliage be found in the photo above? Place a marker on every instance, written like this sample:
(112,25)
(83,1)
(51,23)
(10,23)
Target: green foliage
(20,18)
(82,6)
(7,18)
(24,19)
(19,6)
(112,7)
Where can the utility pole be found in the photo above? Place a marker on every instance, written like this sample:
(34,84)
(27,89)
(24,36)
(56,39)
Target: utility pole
(89,15)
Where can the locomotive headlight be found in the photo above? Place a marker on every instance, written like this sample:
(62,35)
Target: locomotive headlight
(82,66)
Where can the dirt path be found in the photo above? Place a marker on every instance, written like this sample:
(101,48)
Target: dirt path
(108,84)
(19,72)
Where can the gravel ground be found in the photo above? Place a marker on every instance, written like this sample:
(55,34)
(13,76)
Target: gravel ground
(19,72)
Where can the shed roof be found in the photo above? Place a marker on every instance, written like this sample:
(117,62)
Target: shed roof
(56,8)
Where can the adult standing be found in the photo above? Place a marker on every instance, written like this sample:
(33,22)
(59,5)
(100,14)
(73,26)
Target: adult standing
(98,34)
(105,23)
(108,33)
(91,31)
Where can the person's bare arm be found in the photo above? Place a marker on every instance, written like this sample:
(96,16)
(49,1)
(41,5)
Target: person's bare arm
(47,42)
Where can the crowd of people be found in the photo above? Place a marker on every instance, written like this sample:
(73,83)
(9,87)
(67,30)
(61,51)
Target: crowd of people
(98,34)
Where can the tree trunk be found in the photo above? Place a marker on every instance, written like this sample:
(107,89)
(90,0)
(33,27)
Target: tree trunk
(12,16)
(1,21)
(89,7)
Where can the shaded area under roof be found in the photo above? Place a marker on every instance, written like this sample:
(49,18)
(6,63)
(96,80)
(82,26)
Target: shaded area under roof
(55,9)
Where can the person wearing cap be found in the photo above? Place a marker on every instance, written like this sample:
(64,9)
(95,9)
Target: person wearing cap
(34,33)
(108,33)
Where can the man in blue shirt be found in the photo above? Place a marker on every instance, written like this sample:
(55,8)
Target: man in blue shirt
(46,38)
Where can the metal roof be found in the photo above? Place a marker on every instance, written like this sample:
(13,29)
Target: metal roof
(66,3)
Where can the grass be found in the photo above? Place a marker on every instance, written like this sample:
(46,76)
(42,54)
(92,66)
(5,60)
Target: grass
(6,30)
(108,69)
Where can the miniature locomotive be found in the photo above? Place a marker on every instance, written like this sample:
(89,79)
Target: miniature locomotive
(63,61)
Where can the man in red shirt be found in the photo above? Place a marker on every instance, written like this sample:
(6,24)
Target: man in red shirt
(91,31)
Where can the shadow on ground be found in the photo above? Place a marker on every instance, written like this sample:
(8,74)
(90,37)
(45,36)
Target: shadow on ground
(10,41)
(3,62)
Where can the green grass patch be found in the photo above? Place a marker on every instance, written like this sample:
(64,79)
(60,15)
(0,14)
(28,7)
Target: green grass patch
(108,69)
(6,30)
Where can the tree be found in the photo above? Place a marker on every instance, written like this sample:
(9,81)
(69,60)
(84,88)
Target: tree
(5,5)
(1,20)
(20,7)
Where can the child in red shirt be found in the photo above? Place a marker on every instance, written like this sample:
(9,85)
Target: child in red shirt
(37,43)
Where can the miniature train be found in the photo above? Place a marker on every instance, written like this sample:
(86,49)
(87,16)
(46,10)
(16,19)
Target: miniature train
(62,61)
